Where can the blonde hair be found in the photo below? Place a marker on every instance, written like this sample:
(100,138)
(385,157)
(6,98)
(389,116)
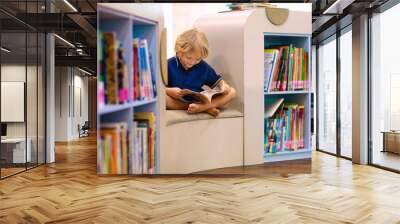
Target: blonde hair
(192,40)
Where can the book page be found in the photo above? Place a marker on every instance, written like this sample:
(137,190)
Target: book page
(209,93)
(204,96)
(198,96)
(272,106)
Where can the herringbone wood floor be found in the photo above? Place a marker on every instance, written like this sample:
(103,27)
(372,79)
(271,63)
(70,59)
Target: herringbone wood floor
(69,191)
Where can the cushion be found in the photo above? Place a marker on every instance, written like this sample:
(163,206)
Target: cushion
(179,116)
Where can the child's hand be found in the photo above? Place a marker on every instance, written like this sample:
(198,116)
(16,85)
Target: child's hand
(225,88)
(175,92)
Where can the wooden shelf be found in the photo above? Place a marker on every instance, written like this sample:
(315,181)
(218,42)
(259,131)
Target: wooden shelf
(287,155)
(106,109)
(143,102)
(118,107)
(287,152)
(287,92)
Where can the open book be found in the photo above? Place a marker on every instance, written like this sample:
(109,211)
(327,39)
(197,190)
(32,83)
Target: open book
(203,96)
(271,106)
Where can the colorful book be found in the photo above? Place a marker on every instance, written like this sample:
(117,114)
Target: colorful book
(284,131)
(288,70)
(269,63)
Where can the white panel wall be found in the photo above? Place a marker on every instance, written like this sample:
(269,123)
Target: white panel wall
(71,87)
(61,104)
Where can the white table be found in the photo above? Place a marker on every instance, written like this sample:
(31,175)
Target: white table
(18,149)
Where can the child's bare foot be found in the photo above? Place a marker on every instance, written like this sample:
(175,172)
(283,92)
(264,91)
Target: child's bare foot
(197,108)
(213,112)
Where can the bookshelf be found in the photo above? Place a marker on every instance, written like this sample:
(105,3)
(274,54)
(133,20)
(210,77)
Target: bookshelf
(287,135)
(239,39)
(127,133)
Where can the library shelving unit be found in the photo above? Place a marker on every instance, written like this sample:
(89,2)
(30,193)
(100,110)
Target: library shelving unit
(301,96)
(237,41)
(126,28)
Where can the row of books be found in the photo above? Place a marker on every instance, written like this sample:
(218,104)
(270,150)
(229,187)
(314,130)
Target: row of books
(285,69)
(114,78)
(144,143)
(144,86)
(124,150)
(285,130)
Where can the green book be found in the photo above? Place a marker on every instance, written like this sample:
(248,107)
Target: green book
(290,73)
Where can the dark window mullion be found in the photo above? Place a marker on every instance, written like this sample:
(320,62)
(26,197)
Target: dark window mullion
(45,87)
(316,96)
(26,86)
(37,90)
(338,74)
(369,96)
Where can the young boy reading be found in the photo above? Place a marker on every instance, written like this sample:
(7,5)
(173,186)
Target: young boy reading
(188,70)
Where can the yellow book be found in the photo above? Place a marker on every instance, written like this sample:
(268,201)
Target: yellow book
(124,149)
(114,148)
(119,149)
(150,118)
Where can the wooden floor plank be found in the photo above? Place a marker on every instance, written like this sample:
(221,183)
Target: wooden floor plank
(70,191)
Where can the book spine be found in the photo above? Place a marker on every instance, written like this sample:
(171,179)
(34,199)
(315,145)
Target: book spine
(135,71)
(275,77)
(124,150)
(140,148)
(306,77)
(131,151)
(101,97)
(107,155)
(100,155)
(290,75)
(301,81)
(145,151)
(111,65)
(149,74)
(295,70)
(286,71)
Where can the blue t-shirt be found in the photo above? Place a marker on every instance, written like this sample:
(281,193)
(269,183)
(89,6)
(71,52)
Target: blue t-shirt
(193,78)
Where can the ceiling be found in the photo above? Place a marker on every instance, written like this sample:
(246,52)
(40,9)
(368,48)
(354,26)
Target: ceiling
(72,20)
(332,15)
(76,22)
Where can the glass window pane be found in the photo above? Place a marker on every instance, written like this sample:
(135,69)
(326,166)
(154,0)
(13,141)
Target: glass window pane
(346,94)
(13,85)
(23,84)
(327,97)
(41,99)
(31,97)
(32,85)
(385,88)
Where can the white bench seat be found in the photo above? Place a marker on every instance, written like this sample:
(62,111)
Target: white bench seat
(179,116)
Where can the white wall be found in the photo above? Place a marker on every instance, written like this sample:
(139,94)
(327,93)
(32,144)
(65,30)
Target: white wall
(79,117)
(70,83)
(179,17)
